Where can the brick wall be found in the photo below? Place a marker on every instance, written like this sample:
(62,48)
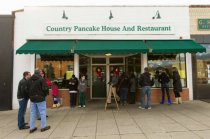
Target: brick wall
(156,96)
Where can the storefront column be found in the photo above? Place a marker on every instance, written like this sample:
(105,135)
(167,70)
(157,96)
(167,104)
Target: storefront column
(143,62)
(189,75)
(76,65)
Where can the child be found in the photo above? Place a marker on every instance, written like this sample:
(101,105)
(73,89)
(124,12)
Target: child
(82,91)
(55,95)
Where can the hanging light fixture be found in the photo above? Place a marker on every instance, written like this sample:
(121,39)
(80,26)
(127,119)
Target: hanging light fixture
(64,15)
(110,15)
(157,15)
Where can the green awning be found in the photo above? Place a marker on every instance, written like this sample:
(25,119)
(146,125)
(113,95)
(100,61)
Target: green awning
(110,46)
(46,47)
(174,46)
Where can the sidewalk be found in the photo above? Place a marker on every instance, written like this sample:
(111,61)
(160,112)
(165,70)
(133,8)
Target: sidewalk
(191,120)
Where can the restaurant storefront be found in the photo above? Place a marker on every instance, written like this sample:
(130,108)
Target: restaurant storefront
(97,40)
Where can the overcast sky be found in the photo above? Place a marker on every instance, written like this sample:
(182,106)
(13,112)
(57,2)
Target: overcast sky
(7,6)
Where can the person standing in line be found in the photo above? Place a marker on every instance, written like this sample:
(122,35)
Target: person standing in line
(37,94)
(133,89)
(82,87)
(146,82)
(48,86)
(164,80)
(22,96)
(113,87)
(55,95)
(177,86)
(123,88)
(73,87)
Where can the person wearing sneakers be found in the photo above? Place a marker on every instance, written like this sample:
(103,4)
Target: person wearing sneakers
(164,80)
(37,94)
(146,81)
(82,87)
(177,86)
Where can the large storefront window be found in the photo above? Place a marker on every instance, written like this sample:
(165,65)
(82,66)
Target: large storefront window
(167,61)
(57,67)
(203,66)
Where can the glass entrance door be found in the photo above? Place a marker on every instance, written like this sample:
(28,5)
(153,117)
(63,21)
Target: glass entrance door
(101,74)
(99,81)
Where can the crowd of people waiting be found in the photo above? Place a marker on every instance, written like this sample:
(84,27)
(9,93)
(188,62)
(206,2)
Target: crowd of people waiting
(36,88)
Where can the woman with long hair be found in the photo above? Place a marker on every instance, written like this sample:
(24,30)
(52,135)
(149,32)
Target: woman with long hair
(177,86)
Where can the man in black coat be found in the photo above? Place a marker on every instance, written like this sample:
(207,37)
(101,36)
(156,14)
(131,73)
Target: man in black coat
(22,96)
(37,94)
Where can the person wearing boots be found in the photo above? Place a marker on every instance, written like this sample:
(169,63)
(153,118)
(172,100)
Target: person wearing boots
(164,80)
(177,86)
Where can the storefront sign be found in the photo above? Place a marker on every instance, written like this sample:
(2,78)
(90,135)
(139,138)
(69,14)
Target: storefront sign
(204,24)
(108,29)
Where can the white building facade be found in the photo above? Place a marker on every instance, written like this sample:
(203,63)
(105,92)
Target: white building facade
(99,23)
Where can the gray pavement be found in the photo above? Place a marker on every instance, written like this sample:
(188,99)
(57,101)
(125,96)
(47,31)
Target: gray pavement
(190,120)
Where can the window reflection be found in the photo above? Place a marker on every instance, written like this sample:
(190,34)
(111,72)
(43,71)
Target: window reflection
(133,66)
(57,67)
(203,66)
(84,67)
(156,62)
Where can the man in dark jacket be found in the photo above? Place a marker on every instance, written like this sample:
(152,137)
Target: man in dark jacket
(73,88)
(146,81)
(37,94)
(22,96)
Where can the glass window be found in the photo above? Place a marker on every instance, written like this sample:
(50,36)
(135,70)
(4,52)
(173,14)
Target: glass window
(116,60)
(203,66)
(84,67)
(133,65)
(156,62)
(56,67)
(99,60)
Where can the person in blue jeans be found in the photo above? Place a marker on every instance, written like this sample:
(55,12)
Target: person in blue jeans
(22,96)
(37,93)
(146,82)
